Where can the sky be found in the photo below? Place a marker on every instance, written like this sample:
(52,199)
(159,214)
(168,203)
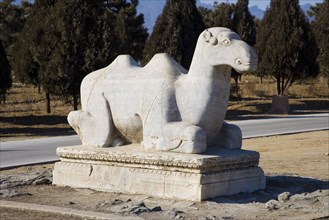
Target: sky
(262,4)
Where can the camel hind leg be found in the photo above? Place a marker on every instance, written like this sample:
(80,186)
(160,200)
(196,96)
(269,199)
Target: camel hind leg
(94,125)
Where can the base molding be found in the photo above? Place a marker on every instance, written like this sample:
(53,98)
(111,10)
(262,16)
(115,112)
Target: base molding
(132,170)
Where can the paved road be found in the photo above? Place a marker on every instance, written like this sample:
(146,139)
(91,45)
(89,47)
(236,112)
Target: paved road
(15,153)
(283,125)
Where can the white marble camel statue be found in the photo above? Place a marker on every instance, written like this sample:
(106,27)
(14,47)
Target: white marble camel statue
(162,106)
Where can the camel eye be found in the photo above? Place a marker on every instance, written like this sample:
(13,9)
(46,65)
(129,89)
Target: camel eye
(226,42)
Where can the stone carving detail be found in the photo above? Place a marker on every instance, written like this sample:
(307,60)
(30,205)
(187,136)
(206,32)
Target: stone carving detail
(216,159)
(162,106)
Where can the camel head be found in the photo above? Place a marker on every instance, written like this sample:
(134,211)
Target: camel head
(224,47)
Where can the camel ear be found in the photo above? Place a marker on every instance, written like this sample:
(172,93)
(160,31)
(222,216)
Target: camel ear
(213,41)
(206,35)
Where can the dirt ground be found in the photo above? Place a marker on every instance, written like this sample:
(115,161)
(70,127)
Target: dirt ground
(303,154)
(296,167)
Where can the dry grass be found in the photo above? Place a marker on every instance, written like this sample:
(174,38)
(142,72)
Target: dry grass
(24,100)
(24,114)
(255,97)
(252,87)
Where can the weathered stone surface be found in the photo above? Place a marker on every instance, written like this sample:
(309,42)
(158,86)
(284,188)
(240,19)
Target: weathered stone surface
(37,178)
(132,169)
(284,196)
(128,207)
(161,105)
(215,159)
(11,193)
(182,204)
(324,200)
(174,214)
(166,202)
(209,217)
(272,205)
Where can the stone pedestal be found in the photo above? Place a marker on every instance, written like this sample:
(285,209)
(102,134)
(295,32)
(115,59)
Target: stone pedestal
(132,170)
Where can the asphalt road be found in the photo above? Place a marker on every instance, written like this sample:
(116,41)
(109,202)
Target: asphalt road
(284,125)
(16,153)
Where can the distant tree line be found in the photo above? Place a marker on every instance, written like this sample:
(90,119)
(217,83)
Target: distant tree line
(320,27)
(53,44)
(5,78)
(285,44)
(62,41)
(12,19)
(176,32)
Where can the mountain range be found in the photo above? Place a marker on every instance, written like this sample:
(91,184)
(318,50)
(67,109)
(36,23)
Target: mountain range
(153,8)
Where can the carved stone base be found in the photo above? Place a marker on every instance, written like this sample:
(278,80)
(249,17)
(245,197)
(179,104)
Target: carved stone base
(130,169)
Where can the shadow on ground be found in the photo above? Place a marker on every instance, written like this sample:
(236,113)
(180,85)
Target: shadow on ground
(30,132)
(275,185)
(35,126)
(296,108)
(35,120)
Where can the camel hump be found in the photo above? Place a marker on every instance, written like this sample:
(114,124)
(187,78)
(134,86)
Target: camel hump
(124,61)
(164,63)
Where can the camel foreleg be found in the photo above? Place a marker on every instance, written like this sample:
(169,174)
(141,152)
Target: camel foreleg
(94,127)
(193,140)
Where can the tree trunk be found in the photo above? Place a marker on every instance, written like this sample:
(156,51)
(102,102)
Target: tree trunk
(236,86)
(235,75)
(4,98)
(282,86)
(75,101)
(278,85)
(48,103)
(39,89)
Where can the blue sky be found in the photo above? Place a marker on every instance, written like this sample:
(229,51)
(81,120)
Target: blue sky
(262,4)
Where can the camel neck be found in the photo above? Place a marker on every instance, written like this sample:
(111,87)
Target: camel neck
(200,67)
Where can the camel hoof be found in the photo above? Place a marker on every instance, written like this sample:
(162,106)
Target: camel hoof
(193,141)
(72,118)
(191,147)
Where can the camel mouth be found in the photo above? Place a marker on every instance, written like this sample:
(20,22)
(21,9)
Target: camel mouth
(252,65)
(243,66)
(250,62)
